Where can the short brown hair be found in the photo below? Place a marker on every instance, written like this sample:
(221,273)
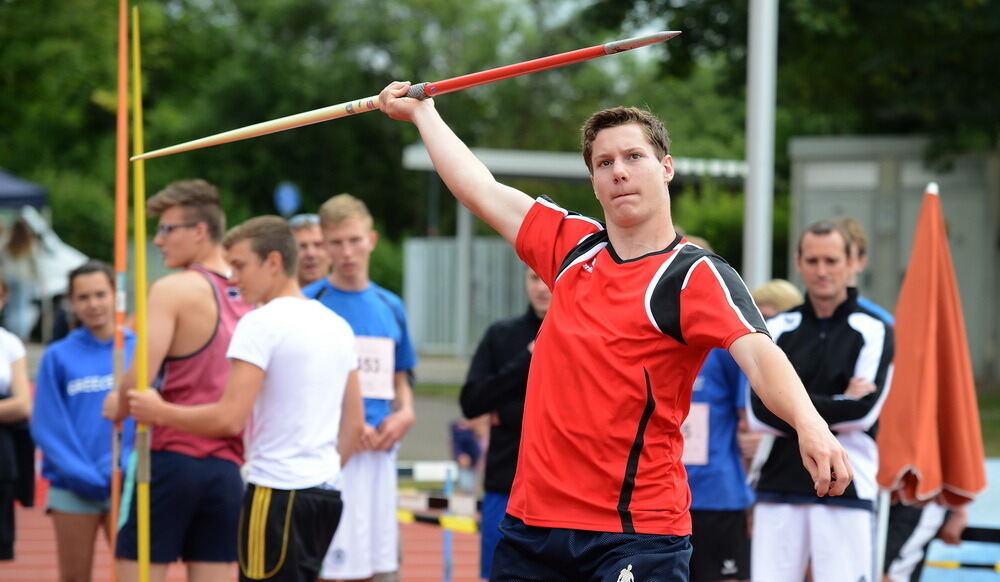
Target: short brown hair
(855,232)
(343,207)
(198,199)
(267,234)
(825,227)
(655,132)
(88,268)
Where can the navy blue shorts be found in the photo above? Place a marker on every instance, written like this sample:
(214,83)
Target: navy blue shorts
(721,543)
(540,553)
(194,510)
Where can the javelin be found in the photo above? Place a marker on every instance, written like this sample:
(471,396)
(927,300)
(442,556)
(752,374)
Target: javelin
(121,238)
(419,91)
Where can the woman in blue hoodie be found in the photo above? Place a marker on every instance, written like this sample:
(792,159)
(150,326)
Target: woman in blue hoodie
(74,376)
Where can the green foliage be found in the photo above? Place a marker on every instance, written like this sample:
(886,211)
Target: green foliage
(849,66)
(82,212)
(989,420)
(715,212)
(386,265)
(213,65)
(704,119)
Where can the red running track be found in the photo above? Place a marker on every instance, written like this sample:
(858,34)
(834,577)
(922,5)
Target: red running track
(35,554)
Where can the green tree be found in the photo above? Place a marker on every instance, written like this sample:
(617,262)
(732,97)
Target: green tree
(213,65)
(850,66)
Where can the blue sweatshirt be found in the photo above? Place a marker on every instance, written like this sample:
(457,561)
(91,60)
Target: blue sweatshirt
(74,377)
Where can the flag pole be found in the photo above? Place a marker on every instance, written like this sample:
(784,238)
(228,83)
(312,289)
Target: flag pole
(121,233)
(418,91)
(142,341)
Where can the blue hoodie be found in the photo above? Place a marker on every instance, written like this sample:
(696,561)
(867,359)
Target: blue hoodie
(74,377)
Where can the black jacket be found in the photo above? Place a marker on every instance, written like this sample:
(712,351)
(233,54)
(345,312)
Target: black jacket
(498,376)
(826,354)
(17,461)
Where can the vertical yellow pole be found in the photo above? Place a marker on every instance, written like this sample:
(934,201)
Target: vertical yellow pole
(121,234)
(141,356)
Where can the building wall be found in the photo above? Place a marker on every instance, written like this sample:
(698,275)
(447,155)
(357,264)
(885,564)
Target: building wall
(880,181)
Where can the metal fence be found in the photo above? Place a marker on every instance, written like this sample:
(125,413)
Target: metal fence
(444,321)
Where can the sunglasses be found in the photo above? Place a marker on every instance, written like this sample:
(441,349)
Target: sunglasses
(164,229)
(300,220)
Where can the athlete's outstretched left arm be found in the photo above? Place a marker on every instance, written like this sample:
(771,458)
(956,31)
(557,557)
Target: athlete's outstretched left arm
(774,379)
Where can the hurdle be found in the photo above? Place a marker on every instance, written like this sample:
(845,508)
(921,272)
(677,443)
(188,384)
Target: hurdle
(416,506)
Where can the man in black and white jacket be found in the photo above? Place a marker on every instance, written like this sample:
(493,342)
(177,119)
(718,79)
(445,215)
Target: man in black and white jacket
(843,354)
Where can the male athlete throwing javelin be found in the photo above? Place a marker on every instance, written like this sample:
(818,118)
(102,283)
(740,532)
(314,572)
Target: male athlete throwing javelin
(600,491)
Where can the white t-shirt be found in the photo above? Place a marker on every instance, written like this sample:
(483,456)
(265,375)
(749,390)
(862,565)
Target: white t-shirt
(306,352)
(11,350)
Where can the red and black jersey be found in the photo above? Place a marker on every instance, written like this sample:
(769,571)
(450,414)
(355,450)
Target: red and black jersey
(611,375)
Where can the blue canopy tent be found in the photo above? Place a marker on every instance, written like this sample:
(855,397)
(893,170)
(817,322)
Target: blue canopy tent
(15,192)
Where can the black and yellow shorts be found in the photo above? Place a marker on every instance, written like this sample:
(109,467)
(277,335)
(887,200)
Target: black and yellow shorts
(284,534)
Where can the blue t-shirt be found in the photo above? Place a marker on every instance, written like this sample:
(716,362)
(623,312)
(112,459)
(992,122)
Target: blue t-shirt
(373,312)
(720,485)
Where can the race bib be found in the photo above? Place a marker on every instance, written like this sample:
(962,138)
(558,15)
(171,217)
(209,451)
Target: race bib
(695,431)
(376,367)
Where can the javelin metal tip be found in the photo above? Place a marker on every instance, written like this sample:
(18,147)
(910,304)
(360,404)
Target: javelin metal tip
(638,41)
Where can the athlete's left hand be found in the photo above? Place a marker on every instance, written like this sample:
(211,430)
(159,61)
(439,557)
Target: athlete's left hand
(824,458)
(145,406)
(393,428)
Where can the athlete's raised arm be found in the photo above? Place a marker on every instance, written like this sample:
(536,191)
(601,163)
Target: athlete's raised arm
(469,180)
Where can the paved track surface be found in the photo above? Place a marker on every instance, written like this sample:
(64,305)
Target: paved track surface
(422,544)
(35,554)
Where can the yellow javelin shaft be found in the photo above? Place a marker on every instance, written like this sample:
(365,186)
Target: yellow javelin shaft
(142,339)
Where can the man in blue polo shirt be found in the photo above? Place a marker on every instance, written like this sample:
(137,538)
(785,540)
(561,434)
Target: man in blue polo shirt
(366,542)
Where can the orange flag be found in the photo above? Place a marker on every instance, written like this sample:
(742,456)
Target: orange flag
(929,441)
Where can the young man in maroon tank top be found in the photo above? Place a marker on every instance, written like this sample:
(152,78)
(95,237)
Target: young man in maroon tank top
(196,486)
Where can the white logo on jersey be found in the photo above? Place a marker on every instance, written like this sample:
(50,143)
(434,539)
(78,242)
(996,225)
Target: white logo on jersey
(89,384)
(626,575)
(728,567)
